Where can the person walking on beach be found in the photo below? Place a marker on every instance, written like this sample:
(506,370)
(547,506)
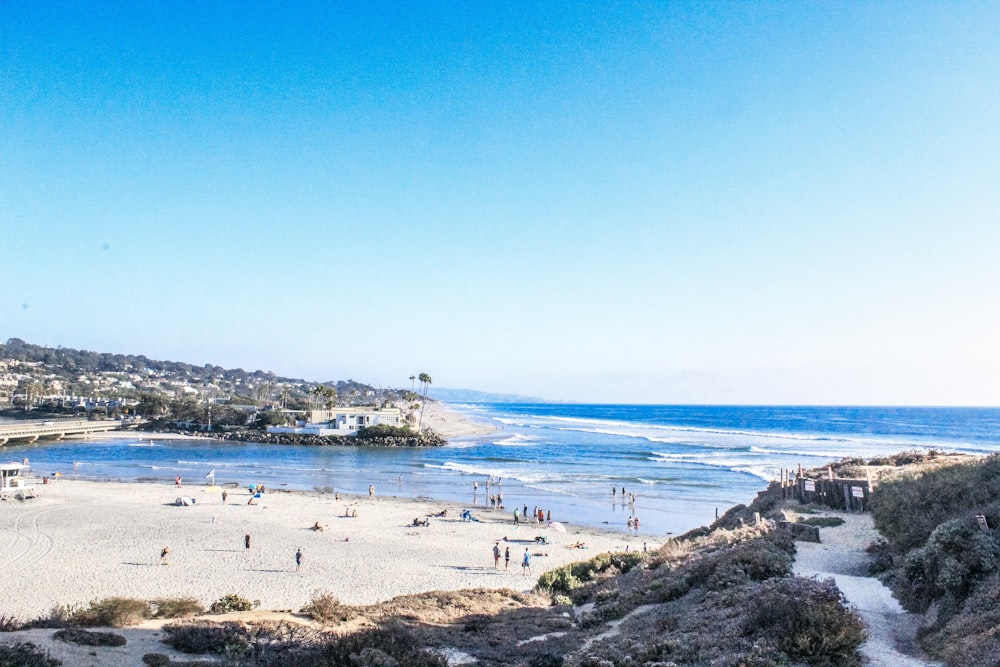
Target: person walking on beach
(506,558)
(371,491)
(246,541)
(526,563)
(224,496)
(515,516)
(163,556)
(496,555)
(298,559)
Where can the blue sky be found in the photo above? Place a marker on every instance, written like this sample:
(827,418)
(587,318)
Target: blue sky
(621,202)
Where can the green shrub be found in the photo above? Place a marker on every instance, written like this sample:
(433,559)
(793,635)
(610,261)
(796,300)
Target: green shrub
(87,638)
(111,613)
(25,655)
(229,638)
(908,509)
(823,521)
(393,644)
(10,623)
(177,607)
(231,602)
(568,578)
(326,608)
(807,620)
(754,559)
(882,558)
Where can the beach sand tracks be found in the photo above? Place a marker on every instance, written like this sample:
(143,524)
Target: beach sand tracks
(23,541)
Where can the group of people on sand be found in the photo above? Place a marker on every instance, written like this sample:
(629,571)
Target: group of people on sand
(525,559)
(538,515)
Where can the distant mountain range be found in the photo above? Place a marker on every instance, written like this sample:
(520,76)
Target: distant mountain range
(473,396)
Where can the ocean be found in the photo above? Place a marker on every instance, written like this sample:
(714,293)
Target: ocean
(681,462)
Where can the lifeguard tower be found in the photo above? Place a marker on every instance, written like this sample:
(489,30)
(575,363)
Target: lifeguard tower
(14,483)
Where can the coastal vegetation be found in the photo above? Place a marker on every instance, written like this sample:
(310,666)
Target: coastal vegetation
(942,553)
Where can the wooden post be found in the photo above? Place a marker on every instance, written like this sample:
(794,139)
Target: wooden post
(847,497)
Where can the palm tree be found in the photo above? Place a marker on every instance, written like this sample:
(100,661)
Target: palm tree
(412,385)
(425,385)
(315,393)
(330,394)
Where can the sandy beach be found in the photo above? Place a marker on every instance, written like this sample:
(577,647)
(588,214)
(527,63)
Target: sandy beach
(79,541)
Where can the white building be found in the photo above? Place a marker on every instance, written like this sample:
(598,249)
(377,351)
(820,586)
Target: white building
(343,421)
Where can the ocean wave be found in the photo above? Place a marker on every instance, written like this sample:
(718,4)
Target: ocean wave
(764,471)
(467,469)
(517,440)
(525,478)
(587,425)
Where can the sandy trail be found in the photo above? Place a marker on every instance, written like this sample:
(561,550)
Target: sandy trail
(842,557)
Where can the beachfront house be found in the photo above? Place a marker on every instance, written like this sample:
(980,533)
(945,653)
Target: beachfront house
(343,421)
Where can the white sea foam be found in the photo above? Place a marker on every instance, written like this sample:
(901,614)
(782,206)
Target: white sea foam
(517,440)
(466,469)
(762,470)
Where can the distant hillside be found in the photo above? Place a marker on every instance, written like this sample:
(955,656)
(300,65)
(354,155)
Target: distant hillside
(41,375)
(474,396)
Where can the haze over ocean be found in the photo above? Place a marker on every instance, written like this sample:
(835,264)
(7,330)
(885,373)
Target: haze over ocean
(682,461)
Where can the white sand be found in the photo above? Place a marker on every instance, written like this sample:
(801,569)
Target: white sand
(451,424)
(80,541)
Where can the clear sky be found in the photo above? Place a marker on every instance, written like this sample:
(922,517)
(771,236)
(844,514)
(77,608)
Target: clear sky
(615,202)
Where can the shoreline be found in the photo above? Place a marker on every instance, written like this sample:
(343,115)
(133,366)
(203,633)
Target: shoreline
(82,540)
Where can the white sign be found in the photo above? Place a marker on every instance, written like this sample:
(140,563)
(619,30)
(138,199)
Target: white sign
(857,492)
(810,485)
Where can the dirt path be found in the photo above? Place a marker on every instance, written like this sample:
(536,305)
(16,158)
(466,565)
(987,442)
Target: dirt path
(842,557)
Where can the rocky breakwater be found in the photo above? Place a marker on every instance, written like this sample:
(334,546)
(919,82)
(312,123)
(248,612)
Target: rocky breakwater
(425,439)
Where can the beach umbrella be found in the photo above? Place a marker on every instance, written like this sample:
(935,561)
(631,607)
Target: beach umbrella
(558,526)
